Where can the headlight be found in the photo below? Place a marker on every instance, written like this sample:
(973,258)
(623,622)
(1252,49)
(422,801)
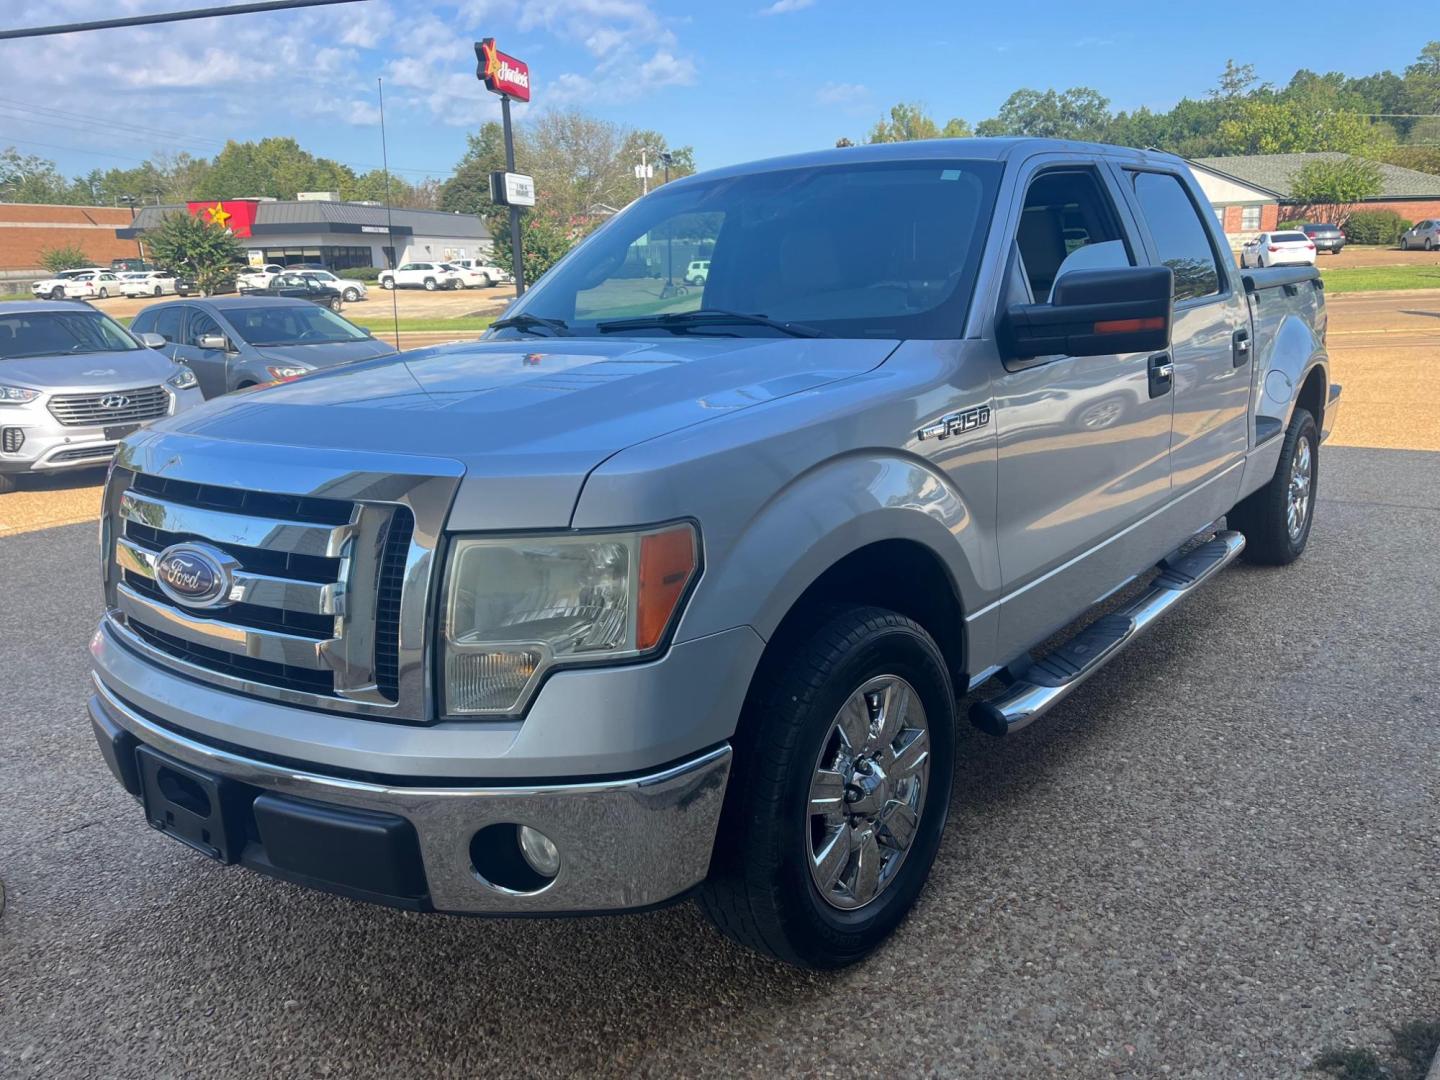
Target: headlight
(17,395)
(183,379)
(517,606)
(282,372)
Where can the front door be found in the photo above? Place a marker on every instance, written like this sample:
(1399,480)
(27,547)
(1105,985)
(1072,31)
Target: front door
(1209,344)
(1084,441)
(209,365)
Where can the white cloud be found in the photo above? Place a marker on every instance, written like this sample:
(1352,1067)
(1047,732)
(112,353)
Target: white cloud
(833,93)
(783,7)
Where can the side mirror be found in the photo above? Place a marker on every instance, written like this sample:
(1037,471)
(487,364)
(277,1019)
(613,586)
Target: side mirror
(213,341)
(1093,313)
(153,341)
(367,331)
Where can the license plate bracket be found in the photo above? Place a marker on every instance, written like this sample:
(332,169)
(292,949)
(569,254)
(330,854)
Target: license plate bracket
(116,432)
(188,804)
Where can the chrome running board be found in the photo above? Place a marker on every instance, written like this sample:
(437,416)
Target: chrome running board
(1044,683)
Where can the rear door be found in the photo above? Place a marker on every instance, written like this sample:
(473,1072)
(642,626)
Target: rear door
(1083,440)
(1210,344)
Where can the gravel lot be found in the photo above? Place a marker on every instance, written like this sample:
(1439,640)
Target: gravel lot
(1213,860)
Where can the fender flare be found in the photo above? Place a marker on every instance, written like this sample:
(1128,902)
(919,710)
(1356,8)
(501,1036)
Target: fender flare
(826,513)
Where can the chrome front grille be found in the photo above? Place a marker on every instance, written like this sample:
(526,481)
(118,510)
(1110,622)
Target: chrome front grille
(314,607)
(111,407)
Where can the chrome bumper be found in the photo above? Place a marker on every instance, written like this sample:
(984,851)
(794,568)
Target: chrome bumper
(624,843)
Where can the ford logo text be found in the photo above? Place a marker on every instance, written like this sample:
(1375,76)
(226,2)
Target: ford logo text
(195,575)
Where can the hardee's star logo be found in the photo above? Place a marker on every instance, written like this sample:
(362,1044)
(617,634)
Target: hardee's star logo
(489,59)
(218,215)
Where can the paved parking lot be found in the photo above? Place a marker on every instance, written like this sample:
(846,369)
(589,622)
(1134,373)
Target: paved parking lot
(1211,861)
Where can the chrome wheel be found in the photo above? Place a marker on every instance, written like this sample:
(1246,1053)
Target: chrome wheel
(1297,503)
(868,792)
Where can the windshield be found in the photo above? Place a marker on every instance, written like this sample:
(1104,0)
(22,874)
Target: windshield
(291,325)
(886,249)
(61,333)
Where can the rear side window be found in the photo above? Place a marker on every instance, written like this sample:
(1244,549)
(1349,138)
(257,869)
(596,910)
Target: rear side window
(1180,236)
(164,321)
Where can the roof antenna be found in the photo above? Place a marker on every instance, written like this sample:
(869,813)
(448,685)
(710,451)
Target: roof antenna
(389,218)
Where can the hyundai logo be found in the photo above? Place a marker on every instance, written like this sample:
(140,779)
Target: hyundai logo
(195,575)
(114,401)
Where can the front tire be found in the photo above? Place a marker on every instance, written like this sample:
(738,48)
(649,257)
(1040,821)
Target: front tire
(430,285)
(839,791)
(352,295)
(1276,519)
(157,291)
(57,294)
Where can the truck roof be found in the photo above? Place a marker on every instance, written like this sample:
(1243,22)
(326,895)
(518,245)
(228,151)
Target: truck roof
(973,149)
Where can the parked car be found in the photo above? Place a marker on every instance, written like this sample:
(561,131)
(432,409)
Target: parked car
(420,275)
(132,265)
(485,274)
(1326,237)
(467,277)
(242,341)
(304,286)
(350,290)
(611,605)
(73,383)
(257,277)
(186,285)
(698,272)
(1423,234)
(1278,249)
(147,283)
(83,284)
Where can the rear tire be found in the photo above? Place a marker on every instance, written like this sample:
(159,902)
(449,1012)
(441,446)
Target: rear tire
(1276,519)
(104,294)
(774,848)
(157,291)
(1429,243)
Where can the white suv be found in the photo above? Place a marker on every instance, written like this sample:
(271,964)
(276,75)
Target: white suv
(423,275)
(79,284)
(698,272)
(257,277)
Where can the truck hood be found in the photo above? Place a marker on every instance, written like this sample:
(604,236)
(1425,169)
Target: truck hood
(88,371)
(528,420)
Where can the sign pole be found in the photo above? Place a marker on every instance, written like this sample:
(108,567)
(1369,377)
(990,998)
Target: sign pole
(517,262)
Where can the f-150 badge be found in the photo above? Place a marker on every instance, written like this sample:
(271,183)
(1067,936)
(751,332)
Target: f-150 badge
(956,423)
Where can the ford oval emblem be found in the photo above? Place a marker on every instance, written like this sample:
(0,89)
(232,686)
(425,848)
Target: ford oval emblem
(195,575)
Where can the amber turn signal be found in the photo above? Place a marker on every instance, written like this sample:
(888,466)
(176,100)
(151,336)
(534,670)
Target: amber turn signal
(667,563)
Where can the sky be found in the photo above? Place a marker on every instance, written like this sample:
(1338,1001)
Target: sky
(736,79)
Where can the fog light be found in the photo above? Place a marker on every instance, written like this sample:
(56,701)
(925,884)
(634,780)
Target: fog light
(12,439)
(539,851)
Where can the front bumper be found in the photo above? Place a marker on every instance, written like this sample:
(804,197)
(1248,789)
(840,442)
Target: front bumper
(624,843)
(49,446)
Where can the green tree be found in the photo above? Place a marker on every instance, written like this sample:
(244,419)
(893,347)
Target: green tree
(1077,113)
(1330,187)
(467,191)
(68,257)
(189,244)
(544,240)
(276,167)
(908,121)
(25,178)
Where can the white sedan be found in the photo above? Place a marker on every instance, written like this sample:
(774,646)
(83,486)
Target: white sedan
(1278,249)
(257,277)
(350,290)
(478,272)
(138,283)
(81,284)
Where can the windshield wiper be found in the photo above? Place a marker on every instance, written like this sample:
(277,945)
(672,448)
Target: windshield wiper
(680,320)
(530,322)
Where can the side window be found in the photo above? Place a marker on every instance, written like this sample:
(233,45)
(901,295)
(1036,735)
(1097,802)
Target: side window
(1180,237)
(1067,223)
(165,322)
(200,325)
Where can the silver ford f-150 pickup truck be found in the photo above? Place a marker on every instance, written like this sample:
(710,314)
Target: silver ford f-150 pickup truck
(664,589)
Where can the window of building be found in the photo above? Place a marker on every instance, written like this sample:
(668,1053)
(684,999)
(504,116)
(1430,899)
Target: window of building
(1250,218)
(1220,217)
(333,257)
(1179,233)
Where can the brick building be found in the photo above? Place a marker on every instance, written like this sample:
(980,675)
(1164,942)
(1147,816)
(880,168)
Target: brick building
(27,230)
(1251,192)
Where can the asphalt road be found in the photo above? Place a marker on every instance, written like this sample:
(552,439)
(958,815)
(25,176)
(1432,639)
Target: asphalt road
(1213,860)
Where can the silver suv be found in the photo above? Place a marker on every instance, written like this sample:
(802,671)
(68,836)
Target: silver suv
(73,383)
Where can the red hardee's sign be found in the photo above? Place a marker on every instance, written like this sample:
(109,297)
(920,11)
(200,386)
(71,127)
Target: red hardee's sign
(502,74)
(236,215)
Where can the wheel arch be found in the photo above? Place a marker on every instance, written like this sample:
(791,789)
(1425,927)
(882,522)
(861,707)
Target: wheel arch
(882,529)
